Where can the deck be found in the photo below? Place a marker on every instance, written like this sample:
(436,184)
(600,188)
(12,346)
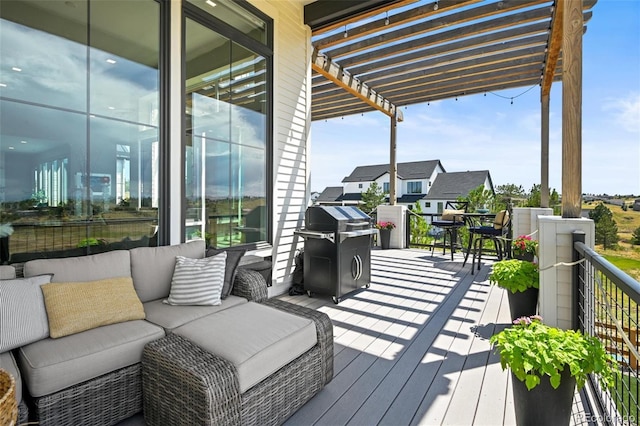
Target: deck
(414,348)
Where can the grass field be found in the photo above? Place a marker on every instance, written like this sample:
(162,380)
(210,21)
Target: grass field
(625,256)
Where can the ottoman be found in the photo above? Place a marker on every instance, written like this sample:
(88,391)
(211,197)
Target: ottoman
(184,382)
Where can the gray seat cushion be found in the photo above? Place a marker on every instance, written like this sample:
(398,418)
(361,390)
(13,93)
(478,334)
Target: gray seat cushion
(7,272)
(172,316)
(50,365)
(112,264)
(7,362)
(257,339)
(152,267)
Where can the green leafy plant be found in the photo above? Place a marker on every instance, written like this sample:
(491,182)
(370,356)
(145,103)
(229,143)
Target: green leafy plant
(86,242)
(532,350)
(515,275)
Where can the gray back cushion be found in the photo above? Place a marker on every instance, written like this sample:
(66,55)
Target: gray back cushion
(111,264)
(152,267)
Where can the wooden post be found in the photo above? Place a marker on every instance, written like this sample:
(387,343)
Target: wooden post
(393,170)
(544,151)
(572,109)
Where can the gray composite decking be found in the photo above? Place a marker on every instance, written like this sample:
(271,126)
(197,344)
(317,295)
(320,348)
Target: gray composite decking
(414,348)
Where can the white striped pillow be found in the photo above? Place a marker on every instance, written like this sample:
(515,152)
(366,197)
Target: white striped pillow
(23,317)
(197,281)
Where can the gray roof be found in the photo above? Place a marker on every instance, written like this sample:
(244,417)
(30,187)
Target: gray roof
(330,193)
(450,186)
(406,171)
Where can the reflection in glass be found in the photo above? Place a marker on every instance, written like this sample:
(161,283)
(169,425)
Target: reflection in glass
(225,177)
(78,126)
(236,16)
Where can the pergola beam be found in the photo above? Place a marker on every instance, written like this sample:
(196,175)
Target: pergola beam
(334,72)
(553,50)
(392,21)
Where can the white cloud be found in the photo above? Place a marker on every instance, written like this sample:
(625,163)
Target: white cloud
(625,112)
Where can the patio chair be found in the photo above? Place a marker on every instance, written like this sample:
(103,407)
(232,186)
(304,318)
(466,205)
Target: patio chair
(497,233)
(451,220)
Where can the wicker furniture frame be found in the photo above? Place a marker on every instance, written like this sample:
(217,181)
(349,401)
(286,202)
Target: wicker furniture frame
(115,396)
(185,385)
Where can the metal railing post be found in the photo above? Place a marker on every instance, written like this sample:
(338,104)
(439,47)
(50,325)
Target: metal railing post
(577,287)
(407,218)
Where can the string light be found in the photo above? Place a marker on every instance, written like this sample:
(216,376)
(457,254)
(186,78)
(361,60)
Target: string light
(346,34)
(435,6)
(511,98)
(386,21)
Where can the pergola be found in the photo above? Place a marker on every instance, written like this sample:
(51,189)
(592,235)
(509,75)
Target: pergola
(385,54)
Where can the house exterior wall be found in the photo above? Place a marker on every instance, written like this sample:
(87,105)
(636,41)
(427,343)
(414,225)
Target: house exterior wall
(354,187)
(443,202)
(292,109)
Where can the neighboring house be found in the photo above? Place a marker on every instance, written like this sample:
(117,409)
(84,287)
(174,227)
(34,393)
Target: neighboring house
(636,205)
(423,181)
(414,180)
(450,186)
(330,196)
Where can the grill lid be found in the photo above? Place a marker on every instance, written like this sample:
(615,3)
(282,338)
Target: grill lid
(335,218)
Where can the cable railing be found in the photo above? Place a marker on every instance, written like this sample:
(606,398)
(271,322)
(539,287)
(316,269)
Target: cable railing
(606,306)
(67,235)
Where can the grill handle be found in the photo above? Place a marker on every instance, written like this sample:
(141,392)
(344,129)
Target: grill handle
(359,233)
(315,234)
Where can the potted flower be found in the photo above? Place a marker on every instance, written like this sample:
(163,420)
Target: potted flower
(546,363)
(521,279)
(524,248)
(385,233)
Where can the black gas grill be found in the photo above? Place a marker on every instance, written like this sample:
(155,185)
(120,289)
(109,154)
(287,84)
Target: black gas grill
(337,250)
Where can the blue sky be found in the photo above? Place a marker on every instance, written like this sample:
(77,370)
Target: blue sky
(489,133)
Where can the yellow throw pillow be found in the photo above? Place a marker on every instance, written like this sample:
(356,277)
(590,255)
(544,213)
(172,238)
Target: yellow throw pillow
(454,215)
(79,306)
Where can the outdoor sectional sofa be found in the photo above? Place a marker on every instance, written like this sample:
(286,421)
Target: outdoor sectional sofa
(248,360)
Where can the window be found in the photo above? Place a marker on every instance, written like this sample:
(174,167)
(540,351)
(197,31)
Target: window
(359,186)
(414,187)
(385,187)
(227,114)
(79,123)
(427,204)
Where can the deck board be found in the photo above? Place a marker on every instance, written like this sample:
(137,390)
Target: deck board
(413,349)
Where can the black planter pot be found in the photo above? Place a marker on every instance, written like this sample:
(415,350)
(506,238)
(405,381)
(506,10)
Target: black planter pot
(385,238)
(526,256)
(523,303)
(544,405)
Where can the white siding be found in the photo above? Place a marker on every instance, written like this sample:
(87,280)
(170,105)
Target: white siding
(354,187)
(292,106)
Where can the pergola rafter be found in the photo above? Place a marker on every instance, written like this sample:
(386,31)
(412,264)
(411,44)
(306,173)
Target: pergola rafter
(426,53)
